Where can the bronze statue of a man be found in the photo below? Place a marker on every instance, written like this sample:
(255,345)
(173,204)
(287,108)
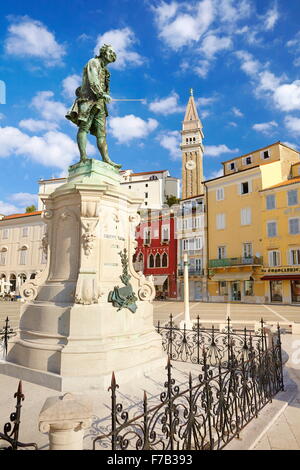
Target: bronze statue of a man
(89,110)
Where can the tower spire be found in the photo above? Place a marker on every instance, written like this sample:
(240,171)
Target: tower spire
(192,151)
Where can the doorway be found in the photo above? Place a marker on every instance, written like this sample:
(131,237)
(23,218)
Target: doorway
(235,290)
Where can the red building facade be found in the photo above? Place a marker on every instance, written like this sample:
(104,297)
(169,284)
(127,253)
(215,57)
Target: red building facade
(156,252)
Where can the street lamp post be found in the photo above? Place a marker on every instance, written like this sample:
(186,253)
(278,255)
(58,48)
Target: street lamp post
(187,320)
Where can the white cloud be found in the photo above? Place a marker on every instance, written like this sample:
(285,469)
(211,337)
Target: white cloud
(30,38)
(70,84)
(180,24)
(292,124)
(231,14)
(170,140)
(51,149)
(6,208)
(212,44)
(217,150)
(292,145)
(130,127)
(48,108)
(249,65)
(24,199)
(168,105)
(265,127)
(35,125)
(287,96)
(202,68)
(232,124)
(122,40)
(237,112)
(271,17)
(215,174)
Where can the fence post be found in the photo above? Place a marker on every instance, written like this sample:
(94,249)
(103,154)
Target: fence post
(278,345)
(65,419)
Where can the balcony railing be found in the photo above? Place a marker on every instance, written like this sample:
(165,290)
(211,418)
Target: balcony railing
(192,272)
(241,261)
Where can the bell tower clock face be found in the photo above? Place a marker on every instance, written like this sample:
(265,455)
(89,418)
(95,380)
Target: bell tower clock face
(190,165)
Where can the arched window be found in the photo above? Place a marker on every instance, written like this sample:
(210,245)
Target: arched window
(153,177)
(151,261)
(141,258)
(23,255)
(32,276)
(3,255)
(13,282)
(164,260)
(157,260)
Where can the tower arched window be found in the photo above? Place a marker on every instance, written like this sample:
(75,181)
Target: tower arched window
(157,260)
(164,260)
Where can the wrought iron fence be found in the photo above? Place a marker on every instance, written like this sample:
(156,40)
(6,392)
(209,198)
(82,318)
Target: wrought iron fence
(6,333)
(188,345)
(11,429)
(208,414)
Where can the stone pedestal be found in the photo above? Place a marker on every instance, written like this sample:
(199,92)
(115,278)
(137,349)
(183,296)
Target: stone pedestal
(70,333)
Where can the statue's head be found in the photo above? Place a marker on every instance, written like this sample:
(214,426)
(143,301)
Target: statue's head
(107,53)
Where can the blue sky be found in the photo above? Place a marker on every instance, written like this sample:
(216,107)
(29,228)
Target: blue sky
(241,58)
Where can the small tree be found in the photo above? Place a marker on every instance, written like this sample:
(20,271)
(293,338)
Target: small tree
(30,208)
(171,200)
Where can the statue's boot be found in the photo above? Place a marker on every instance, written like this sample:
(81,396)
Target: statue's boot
(104,154)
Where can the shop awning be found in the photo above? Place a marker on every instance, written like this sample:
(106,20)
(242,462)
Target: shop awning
(232,276)
(282,277)
(159,280)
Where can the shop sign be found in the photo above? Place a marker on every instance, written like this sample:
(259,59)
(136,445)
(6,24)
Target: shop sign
(282,269)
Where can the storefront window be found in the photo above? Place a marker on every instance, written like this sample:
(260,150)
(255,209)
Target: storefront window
(223,289)
(295,288)
(249,287)
(276,291)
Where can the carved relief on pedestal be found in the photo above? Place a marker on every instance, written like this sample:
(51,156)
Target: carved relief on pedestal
(89,236)
(90,208)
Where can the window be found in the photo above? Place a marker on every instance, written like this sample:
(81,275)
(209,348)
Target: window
(223,290)
(23,255)
(221,252)
(265,154)
(247,250)
(276,291)
(5,233)
(129,187)
(165,234)
(245,188)
(198,243)
(151,261)
(249,287)
(274,258)
(153,177)
(294,226)
(197,222)
(246,216)
(272,229)
(198,265)
(220,221)
(220,194)
(292,197)
(164,260)
(270,201)
(3,255)
(294,257)
(157,260)
(25,231)
(147,236)
(146,195)
(185,245)
(146,185)
(231,166)
(248,160)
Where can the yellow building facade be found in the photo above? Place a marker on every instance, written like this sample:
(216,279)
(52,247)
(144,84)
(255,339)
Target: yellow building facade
(237,224)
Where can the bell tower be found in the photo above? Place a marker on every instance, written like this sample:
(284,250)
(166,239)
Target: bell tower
(192,151)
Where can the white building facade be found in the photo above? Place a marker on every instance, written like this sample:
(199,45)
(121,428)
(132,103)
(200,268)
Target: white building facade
(21,250)
(153,186)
